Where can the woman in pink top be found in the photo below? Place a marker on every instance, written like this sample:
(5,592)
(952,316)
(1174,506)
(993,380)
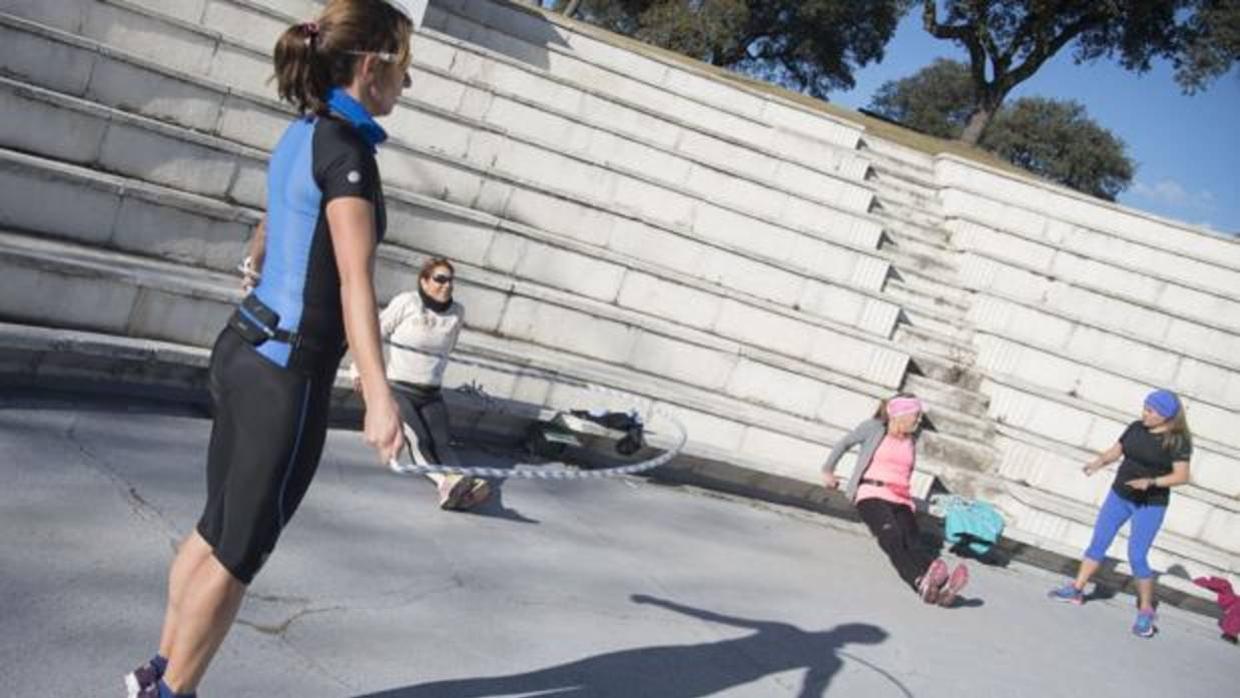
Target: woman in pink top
(880,489)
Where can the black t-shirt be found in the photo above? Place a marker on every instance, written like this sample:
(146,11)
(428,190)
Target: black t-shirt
(1144,456)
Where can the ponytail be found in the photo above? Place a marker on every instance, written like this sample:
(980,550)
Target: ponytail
(300,78)
(313,57)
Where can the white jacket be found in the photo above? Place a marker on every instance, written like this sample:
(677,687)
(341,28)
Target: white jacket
(419,339)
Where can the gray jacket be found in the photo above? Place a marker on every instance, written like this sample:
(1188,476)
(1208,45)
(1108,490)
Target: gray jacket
(869,434)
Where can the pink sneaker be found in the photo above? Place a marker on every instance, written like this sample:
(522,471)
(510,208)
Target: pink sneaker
(933,580)
(957,581)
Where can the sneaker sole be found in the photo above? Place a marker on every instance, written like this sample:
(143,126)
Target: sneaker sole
(937,577)
(131,685)
(955,584)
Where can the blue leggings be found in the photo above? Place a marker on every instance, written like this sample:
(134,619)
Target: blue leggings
(1146,520)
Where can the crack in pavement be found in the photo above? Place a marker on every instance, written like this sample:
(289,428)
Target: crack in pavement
(138,505)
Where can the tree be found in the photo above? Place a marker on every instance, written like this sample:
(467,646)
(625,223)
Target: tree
(937,99)
(1058,140)
(1009,40)
(806,45)
(1054,139)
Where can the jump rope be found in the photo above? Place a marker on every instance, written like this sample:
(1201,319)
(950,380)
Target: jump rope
(555,470)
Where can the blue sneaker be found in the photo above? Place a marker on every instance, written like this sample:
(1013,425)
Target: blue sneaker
(1067,593)
(141,678)
(1144,625)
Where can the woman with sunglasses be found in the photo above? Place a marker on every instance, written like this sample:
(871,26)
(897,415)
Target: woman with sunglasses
(273,365)
(880,487)
(421,328)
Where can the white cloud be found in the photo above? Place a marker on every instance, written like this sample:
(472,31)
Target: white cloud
(1169,192)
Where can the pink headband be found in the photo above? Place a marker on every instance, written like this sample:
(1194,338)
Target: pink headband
(900,406)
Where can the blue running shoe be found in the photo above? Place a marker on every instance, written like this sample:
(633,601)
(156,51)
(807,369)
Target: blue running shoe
(140,679)
(1067,593)
(1144,625)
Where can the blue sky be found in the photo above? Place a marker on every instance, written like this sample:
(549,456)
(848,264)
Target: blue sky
(1187,148)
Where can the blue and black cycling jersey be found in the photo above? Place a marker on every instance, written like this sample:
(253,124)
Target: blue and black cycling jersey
(318,159)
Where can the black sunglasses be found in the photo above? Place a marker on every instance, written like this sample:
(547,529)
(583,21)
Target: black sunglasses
(441,279)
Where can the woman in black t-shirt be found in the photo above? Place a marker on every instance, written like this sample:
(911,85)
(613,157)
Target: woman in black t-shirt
(1156,450)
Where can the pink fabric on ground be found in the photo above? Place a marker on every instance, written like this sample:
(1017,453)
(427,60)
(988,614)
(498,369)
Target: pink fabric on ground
(893,464)
(1227,601)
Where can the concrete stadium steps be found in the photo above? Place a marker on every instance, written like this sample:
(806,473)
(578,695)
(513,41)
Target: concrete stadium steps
(248,28)
(1117,387)
(1032,207)
(1035,460)
(1019,405)
(113,141)
(107,211)
(1056,524)
(1010,296)
(81,287)
(473,83)
(1131,272)
(730,401)
(548,209)
(675,87)
(965,400)
(1048,503)
(687,361)
(174,166)
(135,217)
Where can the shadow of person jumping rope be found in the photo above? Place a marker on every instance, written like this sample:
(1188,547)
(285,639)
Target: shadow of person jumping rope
(678,671)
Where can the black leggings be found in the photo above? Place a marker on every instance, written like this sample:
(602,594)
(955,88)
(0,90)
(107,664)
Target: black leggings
(895,527)
(268,433)
(425,415)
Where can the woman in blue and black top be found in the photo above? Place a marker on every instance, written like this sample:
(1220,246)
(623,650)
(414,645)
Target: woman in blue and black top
(273,366)
(1156,450)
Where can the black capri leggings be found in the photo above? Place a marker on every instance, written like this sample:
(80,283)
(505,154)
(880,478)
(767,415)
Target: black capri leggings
(268,434)
(425,415)
(895,527)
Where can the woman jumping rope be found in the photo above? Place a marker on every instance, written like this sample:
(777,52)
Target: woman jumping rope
(273,365)
(1156,450)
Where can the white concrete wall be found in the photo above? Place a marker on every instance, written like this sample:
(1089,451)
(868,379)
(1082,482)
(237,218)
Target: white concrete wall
(1081,307)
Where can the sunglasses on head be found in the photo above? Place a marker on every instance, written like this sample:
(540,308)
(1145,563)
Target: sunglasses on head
(441,279)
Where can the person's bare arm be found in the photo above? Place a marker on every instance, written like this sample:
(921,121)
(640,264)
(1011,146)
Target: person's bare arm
(352,224)
(1179,475)
(256,250)
(1104,459)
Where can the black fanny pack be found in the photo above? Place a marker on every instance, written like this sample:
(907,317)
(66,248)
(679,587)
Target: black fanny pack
(257,324)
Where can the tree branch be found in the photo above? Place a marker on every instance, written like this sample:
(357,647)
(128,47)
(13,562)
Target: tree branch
(1043,50)
(957,32)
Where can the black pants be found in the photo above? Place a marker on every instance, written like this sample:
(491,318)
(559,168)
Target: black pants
(266,440)
(425,415)
(895,527)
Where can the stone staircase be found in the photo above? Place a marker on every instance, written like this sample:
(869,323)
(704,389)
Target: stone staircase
(935,327)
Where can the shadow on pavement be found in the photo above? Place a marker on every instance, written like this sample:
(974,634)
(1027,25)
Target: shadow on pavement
(680,671)
(495,508)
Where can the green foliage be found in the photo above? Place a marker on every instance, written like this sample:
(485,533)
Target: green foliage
(806,45)
(1211,38)
(1054,139)
(936,100)
(1009,40)
(1057,140)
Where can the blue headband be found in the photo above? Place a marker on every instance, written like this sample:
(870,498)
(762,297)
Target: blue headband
(1164,402)
(351,110)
